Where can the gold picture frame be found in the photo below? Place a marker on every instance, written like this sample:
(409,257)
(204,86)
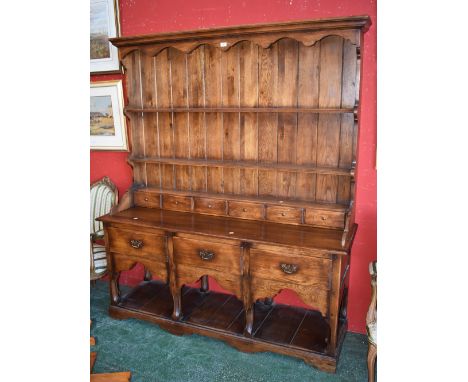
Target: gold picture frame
(104,24)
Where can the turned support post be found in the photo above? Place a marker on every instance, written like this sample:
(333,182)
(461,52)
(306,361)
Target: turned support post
(114,287)
(148,276)
(246,294)
(175,291)
(334,304)
(205,286)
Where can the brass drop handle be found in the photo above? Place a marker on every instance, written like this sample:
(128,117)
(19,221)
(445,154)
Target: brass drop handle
(289,268)
(137,244)
(206,255)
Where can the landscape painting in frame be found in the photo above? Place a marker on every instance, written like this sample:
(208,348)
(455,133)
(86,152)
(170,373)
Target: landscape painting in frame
(106,121)
(104,25)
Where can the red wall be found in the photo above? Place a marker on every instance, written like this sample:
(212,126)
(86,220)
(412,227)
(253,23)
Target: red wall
(149,16)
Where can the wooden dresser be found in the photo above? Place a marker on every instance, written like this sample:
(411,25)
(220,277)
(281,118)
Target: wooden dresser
(243,153)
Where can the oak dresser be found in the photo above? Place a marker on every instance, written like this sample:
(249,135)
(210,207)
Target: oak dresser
(243,152)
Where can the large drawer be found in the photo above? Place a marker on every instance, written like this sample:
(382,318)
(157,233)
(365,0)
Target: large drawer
(202,253)
(296,269)
(136,243)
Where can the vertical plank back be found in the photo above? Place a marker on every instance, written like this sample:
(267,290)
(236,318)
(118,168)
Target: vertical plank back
(286,73)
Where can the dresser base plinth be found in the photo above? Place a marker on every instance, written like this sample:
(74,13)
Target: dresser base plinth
(282,329)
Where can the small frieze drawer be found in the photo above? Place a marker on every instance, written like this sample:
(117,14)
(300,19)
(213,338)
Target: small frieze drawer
(147,199)
(284,214)
(332,219)
(209,206)
(177,203)
(136,243)
(246,210)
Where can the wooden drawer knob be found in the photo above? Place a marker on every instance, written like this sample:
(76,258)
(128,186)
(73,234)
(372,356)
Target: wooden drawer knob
(323,217)
(209,205)
(146,199)
(137,244)
(177,202)
(289,268)
(244,209)
(206,255)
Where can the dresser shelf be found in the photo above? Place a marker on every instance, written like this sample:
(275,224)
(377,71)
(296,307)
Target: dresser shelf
(246,164)
(214,109)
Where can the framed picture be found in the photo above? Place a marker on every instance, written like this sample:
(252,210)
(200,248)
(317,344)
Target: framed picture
(104,24)
(107,123)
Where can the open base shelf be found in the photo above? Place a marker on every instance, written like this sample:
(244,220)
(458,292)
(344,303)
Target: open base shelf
(278,328)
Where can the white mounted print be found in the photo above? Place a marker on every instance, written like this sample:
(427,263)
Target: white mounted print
(107,123)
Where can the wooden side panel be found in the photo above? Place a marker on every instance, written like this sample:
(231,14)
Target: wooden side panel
(348,98)
(248,64)
(328,135)
(163,98)
(132,65)
(267,122)
(308,96)
(230,96)
(213,121)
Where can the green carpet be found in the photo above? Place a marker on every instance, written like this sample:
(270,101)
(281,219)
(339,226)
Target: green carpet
(153,355)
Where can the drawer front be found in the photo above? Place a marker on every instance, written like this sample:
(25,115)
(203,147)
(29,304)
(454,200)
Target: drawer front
(332,219)
(209,206)
(303,270)
(147,199)
(177,203)
(135,243)
(207,254)
(284,214)
(246,210)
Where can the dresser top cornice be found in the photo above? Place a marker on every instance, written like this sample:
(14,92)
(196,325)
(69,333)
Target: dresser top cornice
(329,24)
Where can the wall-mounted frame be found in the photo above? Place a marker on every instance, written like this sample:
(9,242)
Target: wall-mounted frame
(104,24)
(107,123)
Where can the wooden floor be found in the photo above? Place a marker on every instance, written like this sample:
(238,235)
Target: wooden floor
(278,324)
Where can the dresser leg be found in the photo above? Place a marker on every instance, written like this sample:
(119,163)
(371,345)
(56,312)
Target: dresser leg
(177,306)
(248,321)
(148,276)
(114,287)
(204,284)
